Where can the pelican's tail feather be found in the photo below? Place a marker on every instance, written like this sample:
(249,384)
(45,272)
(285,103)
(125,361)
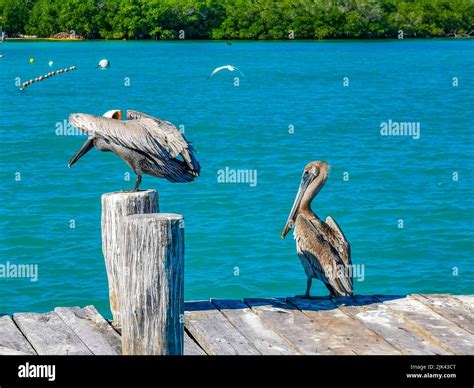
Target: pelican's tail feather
(177,171)
(341,286)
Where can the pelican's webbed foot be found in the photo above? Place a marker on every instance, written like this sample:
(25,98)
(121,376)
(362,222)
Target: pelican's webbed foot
(308,288)
(137,184)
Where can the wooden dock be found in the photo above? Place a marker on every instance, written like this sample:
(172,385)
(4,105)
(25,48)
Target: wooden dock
(417,324)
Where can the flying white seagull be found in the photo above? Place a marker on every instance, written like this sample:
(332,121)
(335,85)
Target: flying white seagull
(227,67)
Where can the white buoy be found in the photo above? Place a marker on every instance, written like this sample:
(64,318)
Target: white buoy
(104,63)
(50,63)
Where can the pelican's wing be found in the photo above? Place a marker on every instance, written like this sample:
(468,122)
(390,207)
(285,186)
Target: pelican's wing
(340,242)
(312,245)
(130,134)
(216,70)
(170,138)
(135,135)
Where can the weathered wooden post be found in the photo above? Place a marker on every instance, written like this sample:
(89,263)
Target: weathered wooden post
(152,284)
(114,207)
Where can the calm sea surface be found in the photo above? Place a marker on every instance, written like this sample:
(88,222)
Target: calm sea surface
(291,108)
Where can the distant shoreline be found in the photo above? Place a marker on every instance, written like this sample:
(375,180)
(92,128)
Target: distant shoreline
(231,41)
(237,19)
(48,39)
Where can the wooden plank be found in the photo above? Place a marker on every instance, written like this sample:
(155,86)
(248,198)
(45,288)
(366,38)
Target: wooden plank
(13,352)
(96,333)
(290,323)
(380,319)
(11,338)
(49,335)
(266,340)
(343,334)
(438,329)
(191,348)
(214,333)
(450,308)
(467,299)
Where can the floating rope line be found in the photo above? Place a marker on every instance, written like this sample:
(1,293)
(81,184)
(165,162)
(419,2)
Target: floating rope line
(46,76)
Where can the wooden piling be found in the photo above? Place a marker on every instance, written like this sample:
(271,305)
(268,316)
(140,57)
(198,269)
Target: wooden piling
(152,284)
(115,206)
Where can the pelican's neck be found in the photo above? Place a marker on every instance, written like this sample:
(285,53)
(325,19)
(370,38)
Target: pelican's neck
(311,192)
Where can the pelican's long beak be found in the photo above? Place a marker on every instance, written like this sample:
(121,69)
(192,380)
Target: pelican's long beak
(306,179)
(88,145)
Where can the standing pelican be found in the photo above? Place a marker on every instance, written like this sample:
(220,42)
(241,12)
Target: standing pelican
(322,248)
(148,145)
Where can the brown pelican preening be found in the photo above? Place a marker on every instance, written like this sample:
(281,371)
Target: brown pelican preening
(322,247)
(148,145)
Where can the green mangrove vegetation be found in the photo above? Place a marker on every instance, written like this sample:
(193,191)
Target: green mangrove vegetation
(238,19)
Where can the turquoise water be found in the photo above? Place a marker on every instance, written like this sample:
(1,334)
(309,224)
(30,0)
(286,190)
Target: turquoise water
(234,229)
